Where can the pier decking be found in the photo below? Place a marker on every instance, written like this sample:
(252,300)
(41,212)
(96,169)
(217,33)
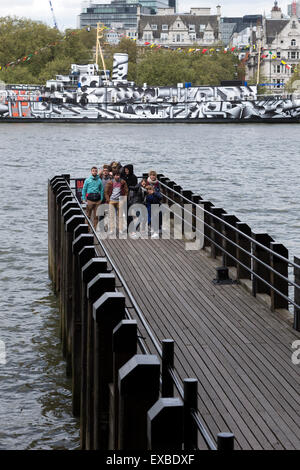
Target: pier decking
(238,350)
(233,341)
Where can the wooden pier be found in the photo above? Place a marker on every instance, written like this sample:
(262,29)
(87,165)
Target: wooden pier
(231,376)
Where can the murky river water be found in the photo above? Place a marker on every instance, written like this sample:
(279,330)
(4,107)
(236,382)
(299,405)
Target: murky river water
(252,171)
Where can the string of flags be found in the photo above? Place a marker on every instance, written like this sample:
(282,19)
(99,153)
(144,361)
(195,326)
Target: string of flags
(204,51)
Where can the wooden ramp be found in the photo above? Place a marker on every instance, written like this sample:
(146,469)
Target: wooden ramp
(238,350)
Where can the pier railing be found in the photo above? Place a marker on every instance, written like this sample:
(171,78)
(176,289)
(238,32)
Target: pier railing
(123,394)
(254,259)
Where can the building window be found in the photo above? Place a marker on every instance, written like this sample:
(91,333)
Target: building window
(278,55)
(178,38)
(202,28)
(293,55)
(278,68)
(165,27)
(193,37)
(192,28)
(293,42)
(154,27)
(164,36)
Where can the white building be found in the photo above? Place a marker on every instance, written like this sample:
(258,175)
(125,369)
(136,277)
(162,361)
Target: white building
(280,41)
(170,29)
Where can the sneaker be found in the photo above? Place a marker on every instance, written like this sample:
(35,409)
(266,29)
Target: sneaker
(133,235)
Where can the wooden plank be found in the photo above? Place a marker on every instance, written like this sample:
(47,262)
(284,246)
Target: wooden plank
(242,329)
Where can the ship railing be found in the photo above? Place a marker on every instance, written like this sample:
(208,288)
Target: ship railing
(255,259)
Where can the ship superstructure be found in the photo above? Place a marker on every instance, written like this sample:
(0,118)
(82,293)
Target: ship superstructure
(89,93)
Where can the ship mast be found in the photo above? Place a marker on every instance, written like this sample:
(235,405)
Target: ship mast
(99,48)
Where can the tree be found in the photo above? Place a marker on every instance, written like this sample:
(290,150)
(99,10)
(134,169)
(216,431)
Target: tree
(43,50)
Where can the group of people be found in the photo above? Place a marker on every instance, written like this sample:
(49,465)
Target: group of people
(110,185)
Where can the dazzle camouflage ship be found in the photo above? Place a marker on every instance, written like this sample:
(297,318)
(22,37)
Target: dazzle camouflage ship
(90,95)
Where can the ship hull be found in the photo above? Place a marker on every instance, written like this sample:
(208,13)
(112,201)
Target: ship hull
(290,120)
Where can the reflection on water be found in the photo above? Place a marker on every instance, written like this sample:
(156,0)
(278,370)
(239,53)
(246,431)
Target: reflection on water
(250,170)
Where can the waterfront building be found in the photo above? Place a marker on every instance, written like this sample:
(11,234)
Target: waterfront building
(168,28)
(230,26)
(121,16)
(290,9)
(279,39)
(123,13)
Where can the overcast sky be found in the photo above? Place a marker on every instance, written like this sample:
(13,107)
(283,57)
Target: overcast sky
(66,11)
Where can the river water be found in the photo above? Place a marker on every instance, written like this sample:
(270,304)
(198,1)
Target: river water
(251,170)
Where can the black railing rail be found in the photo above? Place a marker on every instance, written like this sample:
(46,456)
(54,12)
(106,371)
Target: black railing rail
(168,191)
(194,414)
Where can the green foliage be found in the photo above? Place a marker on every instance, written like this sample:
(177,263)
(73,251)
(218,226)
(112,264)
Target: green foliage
(293,85)
(167,67)
(22,37)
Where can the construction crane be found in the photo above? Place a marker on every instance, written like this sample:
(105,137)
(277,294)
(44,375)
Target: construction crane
(54,19)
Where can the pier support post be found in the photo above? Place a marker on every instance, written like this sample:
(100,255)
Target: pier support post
(51,223)
(225,442)
(216,234)
(96,288)
(74,336)
(165,425)
(70,226)
(244,258)
(297,294)
(206,206)
(167,386)
(163,180)
(88,272)
(124,348)
(229,233)
(57,187)
(60,195)
(138,391)
(66,213)
(108,311)
(277,301)
(190,404)
(258,286)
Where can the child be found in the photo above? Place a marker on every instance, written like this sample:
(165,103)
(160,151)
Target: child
(153,197)
(152,180)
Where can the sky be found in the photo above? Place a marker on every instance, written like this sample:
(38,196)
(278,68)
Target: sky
(66,11)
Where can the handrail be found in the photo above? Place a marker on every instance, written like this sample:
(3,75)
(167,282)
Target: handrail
(246,267)
(194,414)
(270,268)
(234,244)
(291,263)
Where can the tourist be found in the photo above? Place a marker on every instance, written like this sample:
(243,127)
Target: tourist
(92,194)
(139,194)
(130,178)
(105,176)
(152,180)
(153,197)
(114,190)
(115,166)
